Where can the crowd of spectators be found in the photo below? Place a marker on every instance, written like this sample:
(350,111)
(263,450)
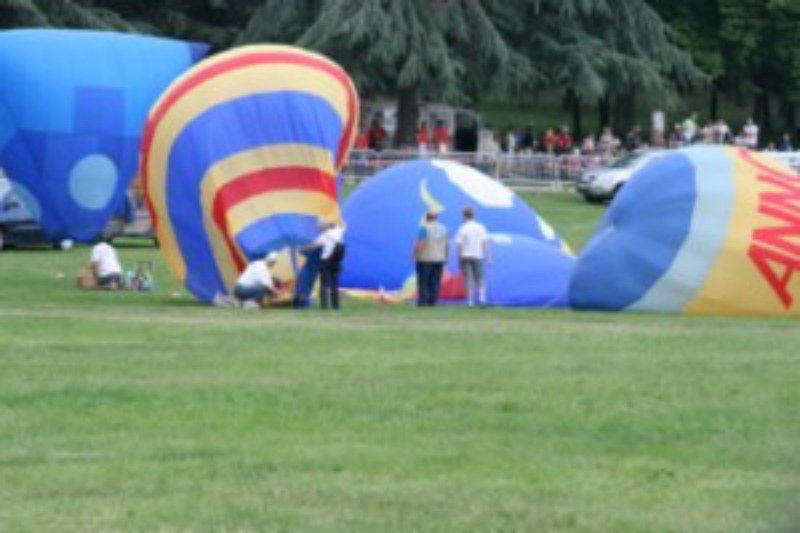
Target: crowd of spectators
(560,141)
(550,154)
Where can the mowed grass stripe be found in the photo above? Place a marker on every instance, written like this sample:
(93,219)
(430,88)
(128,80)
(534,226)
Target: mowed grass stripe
(368,316)
(145,412)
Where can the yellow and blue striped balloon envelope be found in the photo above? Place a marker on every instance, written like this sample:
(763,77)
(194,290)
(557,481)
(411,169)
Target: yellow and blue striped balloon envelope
(240,158)
(703,230)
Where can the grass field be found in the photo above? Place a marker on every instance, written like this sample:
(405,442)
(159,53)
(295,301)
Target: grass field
(147,412)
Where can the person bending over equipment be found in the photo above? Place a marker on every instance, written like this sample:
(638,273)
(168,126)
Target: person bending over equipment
(331,244)
(105,266)
(256,282)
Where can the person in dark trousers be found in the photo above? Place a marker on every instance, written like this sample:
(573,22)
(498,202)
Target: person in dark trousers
(332,248)
(785,144)
(430,254)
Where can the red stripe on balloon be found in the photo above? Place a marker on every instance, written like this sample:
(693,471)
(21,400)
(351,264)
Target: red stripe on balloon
(244,61)
(747,155)
(255,183)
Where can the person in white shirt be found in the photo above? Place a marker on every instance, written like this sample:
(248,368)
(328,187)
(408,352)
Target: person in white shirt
(689,128)
(472,241)
(256,282)
(331,245)
(658,122)
(750,134)
(105,266)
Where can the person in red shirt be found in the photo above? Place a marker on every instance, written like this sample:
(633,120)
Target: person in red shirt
(422,137)
(549,141)
(376,136)
(564,141)
(362,141)
(441,137)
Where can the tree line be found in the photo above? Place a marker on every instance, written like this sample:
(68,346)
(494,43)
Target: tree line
(603,56)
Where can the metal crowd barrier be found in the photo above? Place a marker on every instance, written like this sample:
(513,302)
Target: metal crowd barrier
(543,170)
(791,159)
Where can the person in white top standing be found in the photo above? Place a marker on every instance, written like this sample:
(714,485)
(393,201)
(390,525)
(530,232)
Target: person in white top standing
(256,281)
(472,241)
(750,134)
(331,245)
(105,266)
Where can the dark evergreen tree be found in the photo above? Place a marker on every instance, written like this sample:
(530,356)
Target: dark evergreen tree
(217,22)
(21,13)
(751,50)
(60,13)
(411,49)
(600,52)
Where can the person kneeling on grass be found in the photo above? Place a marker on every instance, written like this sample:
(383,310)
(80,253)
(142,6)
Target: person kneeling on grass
(256,282)
(105,266)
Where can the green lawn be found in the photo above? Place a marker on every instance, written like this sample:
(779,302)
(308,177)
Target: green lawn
(570,215)
(147,412)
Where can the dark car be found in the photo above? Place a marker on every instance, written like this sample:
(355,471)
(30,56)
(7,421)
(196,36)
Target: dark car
(17,226)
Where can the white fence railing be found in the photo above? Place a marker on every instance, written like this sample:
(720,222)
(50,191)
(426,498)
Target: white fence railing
(789,158)
(533,169)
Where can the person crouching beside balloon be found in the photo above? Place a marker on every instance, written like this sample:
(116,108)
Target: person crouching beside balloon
(257,283)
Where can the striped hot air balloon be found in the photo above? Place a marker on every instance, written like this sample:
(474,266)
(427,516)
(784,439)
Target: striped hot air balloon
(240,158)
(704,230)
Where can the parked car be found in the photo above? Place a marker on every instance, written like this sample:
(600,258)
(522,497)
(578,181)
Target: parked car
(17,226)
(603,183)
(133,220)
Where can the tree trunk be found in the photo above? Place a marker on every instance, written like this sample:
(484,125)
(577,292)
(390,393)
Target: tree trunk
(407,117)
(713,101)
(577,118)
(791,119)
(765,116)
(789,116)
(624,112)
(604,112)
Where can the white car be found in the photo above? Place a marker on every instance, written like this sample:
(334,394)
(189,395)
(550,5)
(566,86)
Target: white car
(603,183)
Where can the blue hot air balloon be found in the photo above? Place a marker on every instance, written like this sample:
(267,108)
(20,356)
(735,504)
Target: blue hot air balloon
(72,110)
(703,230)
(522,272)
(531,264)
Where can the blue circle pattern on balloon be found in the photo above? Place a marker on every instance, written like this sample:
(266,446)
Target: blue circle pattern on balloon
(92,181)
(73,99)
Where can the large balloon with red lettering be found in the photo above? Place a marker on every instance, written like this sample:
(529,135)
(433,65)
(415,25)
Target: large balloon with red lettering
(704,230)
